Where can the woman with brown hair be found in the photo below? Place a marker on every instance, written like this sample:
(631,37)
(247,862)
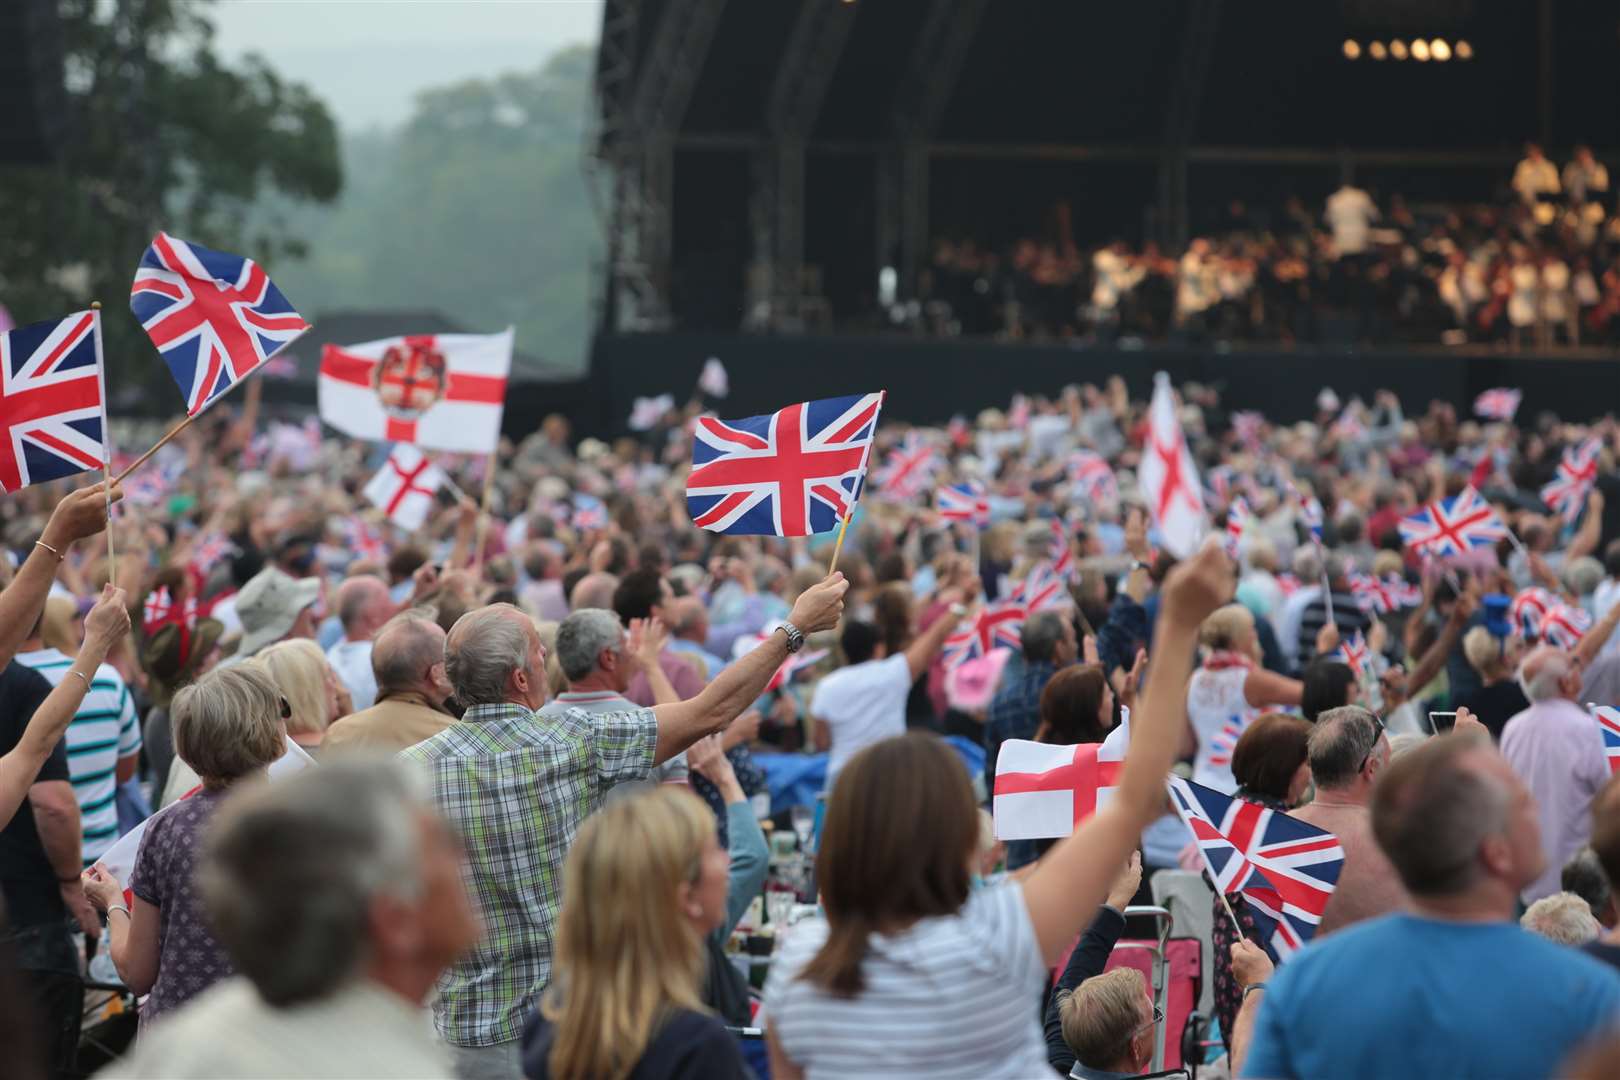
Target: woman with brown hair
(912,972)
(645,881)
(1272,769)
(1077,706)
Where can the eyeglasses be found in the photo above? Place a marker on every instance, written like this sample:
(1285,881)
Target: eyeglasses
(1379,735)
(1158,1018)
(286,709)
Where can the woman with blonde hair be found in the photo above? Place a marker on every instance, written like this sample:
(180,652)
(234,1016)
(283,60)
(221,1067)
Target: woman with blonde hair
(1226,692)
(645,880)
(315,695)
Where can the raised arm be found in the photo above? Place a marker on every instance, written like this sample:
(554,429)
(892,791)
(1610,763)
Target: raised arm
(742,682)
(80,514)
(645,643)
(106,623)
(1593,641)
(921,652)
(1075,875)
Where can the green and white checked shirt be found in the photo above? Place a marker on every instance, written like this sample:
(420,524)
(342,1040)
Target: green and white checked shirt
(517,786)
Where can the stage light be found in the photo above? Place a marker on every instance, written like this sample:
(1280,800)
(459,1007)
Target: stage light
(1463,51)
(1440,50)
(1352,49)
(1377,51)
(1420,50)
(1397,49)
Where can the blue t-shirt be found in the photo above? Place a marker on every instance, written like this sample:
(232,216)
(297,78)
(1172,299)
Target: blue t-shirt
(1408,996)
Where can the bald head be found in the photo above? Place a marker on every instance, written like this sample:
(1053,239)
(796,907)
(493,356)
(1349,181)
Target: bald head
(363,605)
(408,657)
(689,619)
(594,590)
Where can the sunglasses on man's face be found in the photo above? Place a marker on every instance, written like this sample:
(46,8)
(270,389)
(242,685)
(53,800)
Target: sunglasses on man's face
(1368,755)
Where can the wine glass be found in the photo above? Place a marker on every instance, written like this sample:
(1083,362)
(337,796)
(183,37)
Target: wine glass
(804,821)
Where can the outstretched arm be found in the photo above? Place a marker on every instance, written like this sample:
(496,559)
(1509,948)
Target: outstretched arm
(80,514)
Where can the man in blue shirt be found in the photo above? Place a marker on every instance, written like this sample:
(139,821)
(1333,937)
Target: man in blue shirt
(1453,988)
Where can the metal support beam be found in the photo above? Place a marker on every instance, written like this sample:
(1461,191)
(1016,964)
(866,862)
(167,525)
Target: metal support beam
(1181,118)
(919,104)
(640,122)
(809,61)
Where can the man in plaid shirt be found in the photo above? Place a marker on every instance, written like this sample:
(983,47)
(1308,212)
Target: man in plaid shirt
(516,786)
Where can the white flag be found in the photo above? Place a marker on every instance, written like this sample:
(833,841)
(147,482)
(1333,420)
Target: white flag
(714,380)
(441,391)
(1044,791)
(405,487)
(645,412)
(1169,480)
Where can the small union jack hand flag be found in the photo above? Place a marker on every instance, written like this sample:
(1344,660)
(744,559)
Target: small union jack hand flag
(589,513)
(1498,404)
(1286,870)
(963,502)
(1354,654)
(908,468)
(216,318)
(794,472)
(1577,474)
(1608,718)
(1453,526)
(996,626)
(52,404)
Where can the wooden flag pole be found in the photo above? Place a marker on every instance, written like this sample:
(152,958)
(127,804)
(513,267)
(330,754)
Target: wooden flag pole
(839,543)
(160,444)
(866,461)
(483,514)
(106,448)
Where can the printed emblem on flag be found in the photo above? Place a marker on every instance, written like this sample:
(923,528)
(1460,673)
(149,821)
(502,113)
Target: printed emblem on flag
(410,378)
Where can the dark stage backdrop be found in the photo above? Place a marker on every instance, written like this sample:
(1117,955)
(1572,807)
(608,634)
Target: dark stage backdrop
(928,381)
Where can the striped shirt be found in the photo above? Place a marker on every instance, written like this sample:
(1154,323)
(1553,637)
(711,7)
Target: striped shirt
(950,996)
(103,731)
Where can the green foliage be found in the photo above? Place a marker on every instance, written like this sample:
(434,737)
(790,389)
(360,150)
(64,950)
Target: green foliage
(477,208)
(163,136)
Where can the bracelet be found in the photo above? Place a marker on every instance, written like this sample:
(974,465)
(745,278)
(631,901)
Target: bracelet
(47,547)
(82,675)
(118,907)
(1252,986)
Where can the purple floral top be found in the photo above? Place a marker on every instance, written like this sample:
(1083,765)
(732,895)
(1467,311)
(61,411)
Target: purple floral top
(190,960)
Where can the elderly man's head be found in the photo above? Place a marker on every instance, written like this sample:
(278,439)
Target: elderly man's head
(1347,751)
(590,650)
(363,605)
(1108,1022)
(408,657)
(1458,825)
(689,620)
(1548,674)
(594,590)
(493,655)
(336,873)
(1562,917)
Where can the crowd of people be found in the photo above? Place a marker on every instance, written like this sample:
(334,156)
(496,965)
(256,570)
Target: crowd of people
(491,799)
(1536,269)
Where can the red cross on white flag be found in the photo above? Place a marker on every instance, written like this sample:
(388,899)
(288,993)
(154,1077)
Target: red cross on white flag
(438,391)
(1169,480)
(405,487)
(1044,791)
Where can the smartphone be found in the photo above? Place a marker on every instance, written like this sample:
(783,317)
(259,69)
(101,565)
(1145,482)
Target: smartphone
(1442,722)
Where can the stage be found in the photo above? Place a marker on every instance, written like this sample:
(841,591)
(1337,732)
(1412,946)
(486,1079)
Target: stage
(930,380)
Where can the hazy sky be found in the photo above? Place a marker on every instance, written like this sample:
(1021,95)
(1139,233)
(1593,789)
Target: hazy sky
(368,58)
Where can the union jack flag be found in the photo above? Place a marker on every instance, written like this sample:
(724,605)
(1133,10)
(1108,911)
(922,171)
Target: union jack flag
(1498,404)
(215,317)
(1286,870)
(1386,595)
(1042,588)
(908,468)
(793,472)
(996,626)
(963,502)
(1092,478)
(1453,526)
(1237,516)
(1529,609)
(1564,626)
(1354,654)
(1309,511)
(52,402)
(1224,741)
(1062,552)
(209,550)
(1608,718)
(1577,473)
(589,512)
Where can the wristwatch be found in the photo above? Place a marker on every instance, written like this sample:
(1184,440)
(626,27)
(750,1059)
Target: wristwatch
(795,640)
(1250,987)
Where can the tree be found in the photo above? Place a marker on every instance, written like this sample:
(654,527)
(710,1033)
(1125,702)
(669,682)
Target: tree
(163,136)
(477,208)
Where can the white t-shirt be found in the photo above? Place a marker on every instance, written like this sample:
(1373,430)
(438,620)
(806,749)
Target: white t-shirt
(862,704)
(952,996)
(352,662)
(1350,213)
(1218,712)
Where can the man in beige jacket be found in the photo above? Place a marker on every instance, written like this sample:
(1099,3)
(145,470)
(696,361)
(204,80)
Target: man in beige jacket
(408,660)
